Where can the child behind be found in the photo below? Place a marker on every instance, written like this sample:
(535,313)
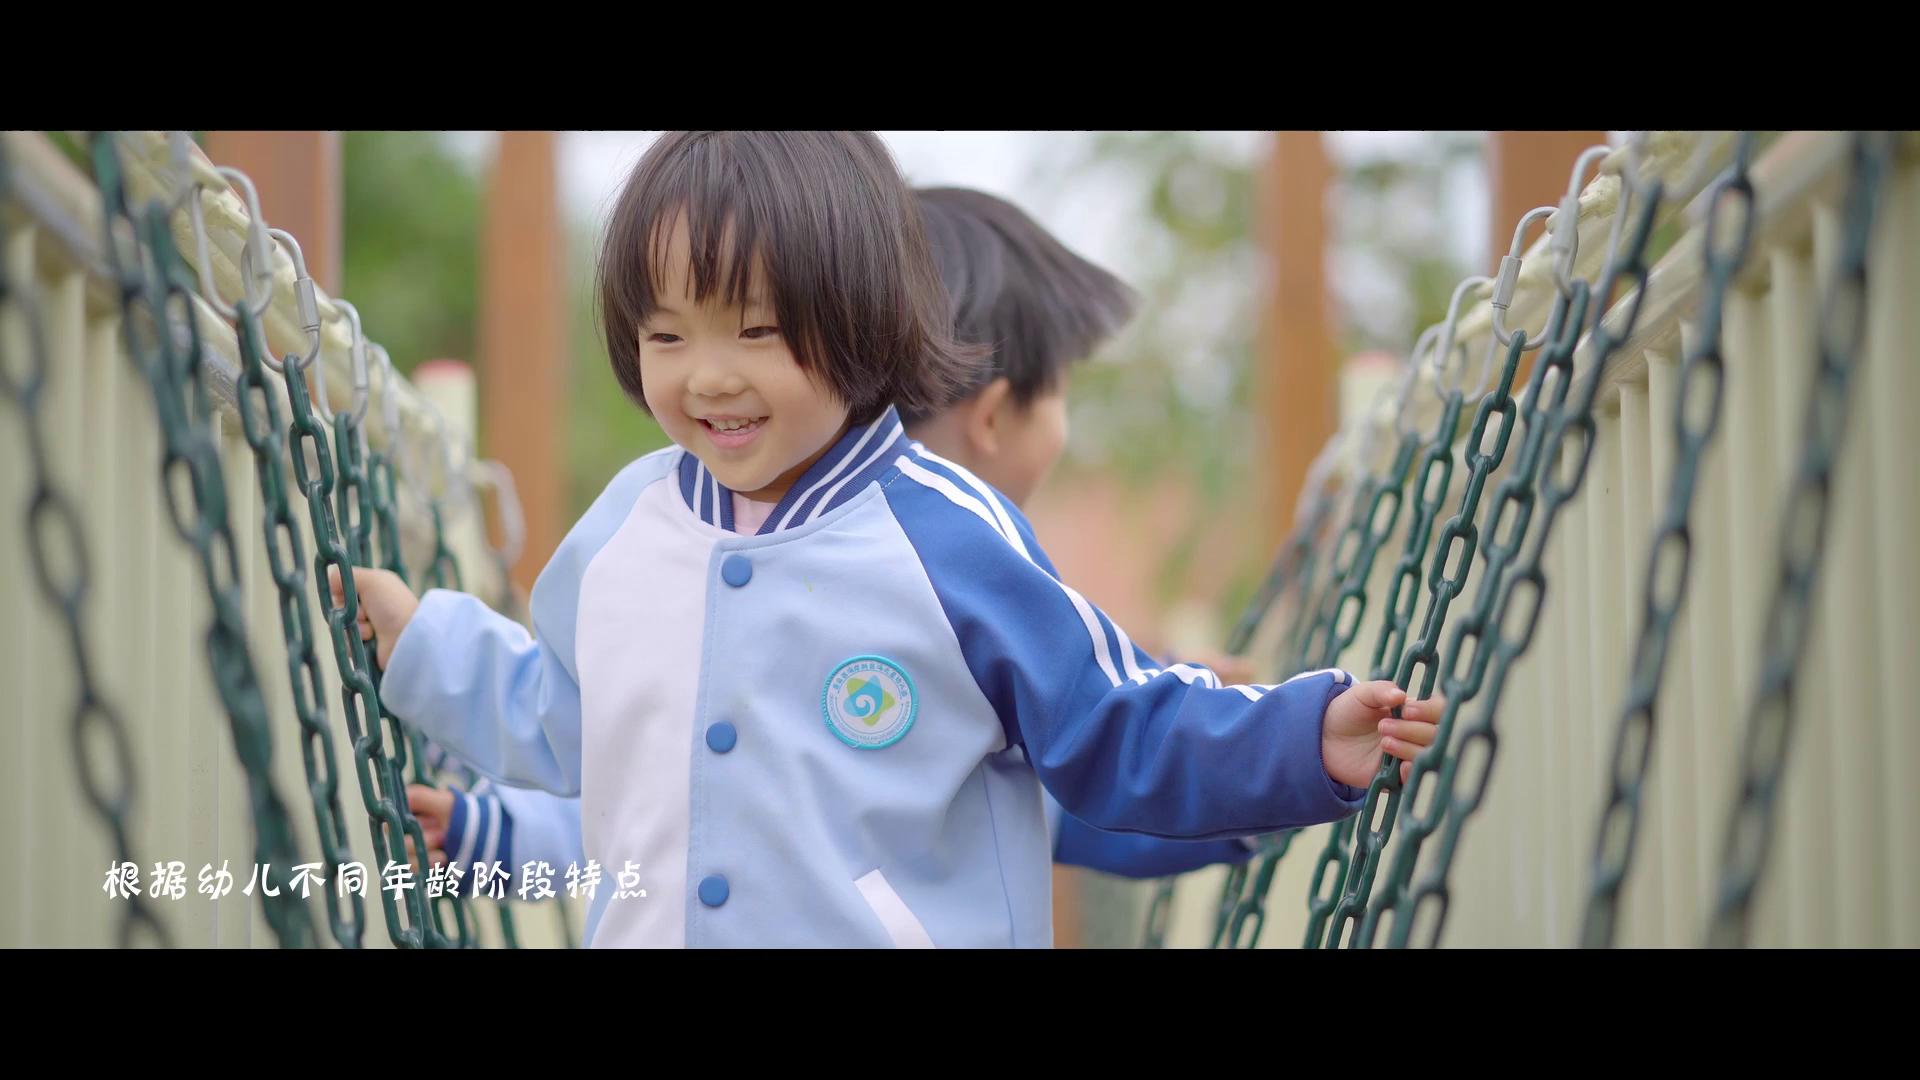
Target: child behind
(1042,309)
(834,731)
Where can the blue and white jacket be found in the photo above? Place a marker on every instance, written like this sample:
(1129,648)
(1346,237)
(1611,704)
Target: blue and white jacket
(836,732)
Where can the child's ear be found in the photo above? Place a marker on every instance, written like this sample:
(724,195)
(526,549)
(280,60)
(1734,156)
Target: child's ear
(986,418)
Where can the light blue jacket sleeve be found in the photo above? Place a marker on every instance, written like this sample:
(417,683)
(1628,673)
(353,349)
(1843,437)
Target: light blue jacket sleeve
(1123,744)
(476,682)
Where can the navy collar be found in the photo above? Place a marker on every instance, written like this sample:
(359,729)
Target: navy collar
(860,455)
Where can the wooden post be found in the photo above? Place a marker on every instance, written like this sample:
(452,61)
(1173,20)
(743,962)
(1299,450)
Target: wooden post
(1298,358)
(523,336)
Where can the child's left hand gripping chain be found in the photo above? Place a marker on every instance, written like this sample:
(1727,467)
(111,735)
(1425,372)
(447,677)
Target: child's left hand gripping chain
(433,808)
(1360,728)
(386,606)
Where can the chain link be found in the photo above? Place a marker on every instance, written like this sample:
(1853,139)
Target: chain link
(380,475)
(286,561)
(378,489)
(1803,535)
(52,516)
(1294,573)
(1159,913)
(1702,373)
(1291,573)
(1388,491)
(1403,597)
(1513,507)
(1568,434)
(1442,589)
(1310,517)
(1436,480)
(1332,629)
(513,536)
(1321,574)
(1249,916)
(155,297)
(443,572)
(382,785)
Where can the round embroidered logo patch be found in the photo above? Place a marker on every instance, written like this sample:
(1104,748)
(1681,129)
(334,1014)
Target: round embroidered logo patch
(869,702)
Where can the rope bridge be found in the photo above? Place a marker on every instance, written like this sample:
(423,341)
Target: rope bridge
(1653,553)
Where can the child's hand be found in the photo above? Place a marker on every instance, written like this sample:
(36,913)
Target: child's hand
(386,605)
(434,809)
(1359,727)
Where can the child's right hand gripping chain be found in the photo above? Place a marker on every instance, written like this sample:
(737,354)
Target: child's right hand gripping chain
(386,606)
(1359,728)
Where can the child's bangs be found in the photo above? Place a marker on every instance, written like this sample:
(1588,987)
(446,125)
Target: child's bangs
(723,238)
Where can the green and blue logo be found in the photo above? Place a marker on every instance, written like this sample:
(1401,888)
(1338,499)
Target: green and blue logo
(869,702)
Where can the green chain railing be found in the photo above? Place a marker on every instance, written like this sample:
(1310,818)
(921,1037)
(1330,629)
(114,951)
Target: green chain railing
(53,529)
(1422,654)
(258,405)
(1568,431)
(1803,532)
(1696,419)
(163,342)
